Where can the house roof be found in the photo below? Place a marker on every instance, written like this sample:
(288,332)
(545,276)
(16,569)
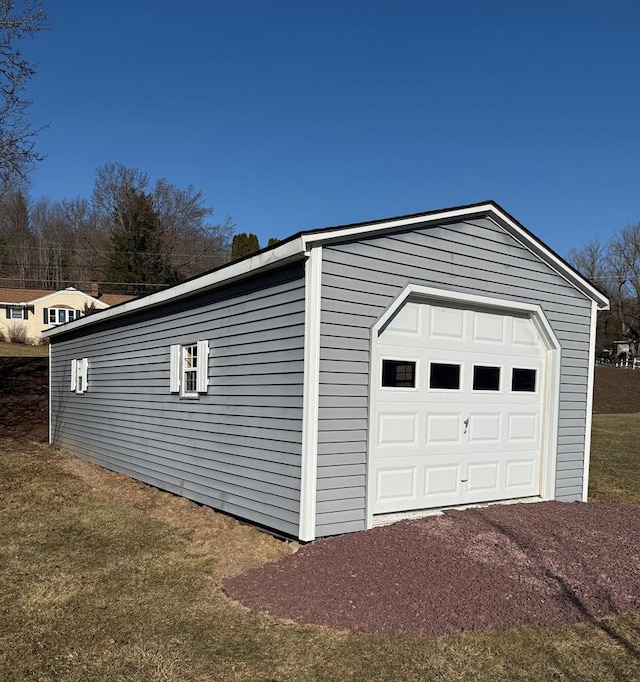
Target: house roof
(297,248)
(29,295)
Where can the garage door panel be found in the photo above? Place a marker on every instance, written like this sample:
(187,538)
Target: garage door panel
(396,487)
(522,474)
(408,321)
(523,427)
(444,428)
(489,328)
(442,485)
(485,428)
(484,476)
(397,429)
(525,334)
(446,323)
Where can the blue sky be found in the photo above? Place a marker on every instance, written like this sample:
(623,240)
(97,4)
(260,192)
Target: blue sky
(293,115)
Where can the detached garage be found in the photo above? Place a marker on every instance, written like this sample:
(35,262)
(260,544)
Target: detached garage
(346,376)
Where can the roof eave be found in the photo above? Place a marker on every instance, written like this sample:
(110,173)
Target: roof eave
(278,256)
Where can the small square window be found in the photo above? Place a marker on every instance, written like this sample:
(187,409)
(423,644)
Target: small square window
(442,375)
(398,374)
(523,380)
(486,378)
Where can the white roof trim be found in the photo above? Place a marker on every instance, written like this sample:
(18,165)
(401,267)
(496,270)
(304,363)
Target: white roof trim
(68,290)
(489,209)
(299,246)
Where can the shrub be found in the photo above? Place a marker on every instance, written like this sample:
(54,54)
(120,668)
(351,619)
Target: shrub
(16,332)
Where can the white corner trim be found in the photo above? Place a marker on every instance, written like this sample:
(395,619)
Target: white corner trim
(261,261)
(311,395)
(50,396)
(552,392)
(589,419)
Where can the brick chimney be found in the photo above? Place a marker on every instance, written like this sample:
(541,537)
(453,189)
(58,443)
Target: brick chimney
(95,290)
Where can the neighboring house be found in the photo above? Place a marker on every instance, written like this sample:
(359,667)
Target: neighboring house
(37,310)
(346,376)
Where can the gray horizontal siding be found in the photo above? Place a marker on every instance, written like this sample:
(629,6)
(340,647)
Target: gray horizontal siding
(360,279)
(237,448)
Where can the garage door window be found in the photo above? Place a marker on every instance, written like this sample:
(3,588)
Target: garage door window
(523,380)
(398,374)
(443,375)
(486,378)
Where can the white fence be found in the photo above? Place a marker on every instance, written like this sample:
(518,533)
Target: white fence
(627,364)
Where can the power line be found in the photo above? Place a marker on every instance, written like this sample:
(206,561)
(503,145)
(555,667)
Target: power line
(120,284)
(101,253)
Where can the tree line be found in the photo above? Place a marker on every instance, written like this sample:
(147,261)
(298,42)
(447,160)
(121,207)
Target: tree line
(131,236)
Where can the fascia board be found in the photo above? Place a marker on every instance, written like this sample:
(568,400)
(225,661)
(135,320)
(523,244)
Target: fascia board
(266,260)
(546,255)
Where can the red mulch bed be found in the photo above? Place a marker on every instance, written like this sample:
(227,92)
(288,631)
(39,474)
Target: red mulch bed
(480,569)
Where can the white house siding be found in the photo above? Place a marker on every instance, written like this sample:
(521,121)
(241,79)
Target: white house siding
(237,448)
(360,279)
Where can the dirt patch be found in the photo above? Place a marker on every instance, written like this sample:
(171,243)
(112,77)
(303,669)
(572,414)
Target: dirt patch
(616,391)
(480,569)
(24,398)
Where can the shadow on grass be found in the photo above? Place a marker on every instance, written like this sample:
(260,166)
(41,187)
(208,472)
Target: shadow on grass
(554,579)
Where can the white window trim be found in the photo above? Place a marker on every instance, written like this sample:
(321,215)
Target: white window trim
(177,370)
(71,314)
(80,375)
(406,358)
(16,309)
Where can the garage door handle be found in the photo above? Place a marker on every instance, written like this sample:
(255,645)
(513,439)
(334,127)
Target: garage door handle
(466,424)
(463,480)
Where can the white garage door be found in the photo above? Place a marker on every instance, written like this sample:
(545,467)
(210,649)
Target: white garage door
(458,408)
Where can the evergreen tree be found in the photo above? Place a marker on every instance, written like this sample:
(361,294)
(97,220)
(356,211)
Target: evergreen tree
(244,244)
(273,241)
(136,256)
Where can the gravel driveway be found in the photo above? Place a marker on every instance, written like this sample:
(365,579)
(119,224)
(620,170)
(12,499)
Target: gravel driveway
(479,569)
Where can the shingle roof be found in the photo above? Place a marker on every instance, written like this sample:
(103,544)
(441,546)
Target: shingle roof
(27,295)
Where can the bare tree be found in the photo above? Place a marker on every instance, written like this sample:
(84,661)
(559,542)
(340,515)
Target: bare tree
(18,19)
(614,267)
(188,242)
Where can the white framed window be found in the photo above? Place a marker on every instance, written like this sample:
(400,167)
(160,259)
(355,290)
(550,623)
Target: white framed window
(17,314)
(189,371)
(60,315)
(80,375)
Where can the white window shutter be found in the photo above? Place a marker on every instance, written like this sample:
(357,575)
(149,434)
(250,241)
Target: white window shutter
(85,374)
(202,376)
(174,373)
(74,374)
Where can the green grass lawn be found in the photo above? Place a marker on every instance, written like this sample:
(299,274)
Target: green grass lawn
(615,458)
(102,578)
